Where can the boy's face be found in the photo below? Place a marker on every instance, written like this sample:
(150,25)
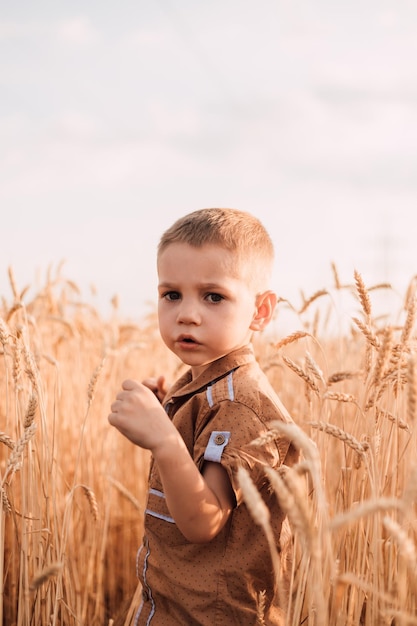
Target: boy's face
(205,308)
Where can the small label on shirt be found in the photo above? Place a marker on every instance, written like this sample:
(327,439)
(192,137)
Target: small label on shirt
(217,442)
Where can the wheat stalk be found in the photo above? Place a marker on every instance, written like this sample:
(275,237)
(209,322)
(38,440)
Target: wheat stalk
(17,361)
(15,459)
(260,609)
(338,433)
(8,441)
(93,381)
(299,334)
(293,433)
(16,307)
(314,368)
(412,390)
(51,570)
(12,281)
(410,491)
(31,410)
(4,333)
(392,418)
(340,376)
(92,501)
(363,294)
(405,544)
(340,397)
(293,501)
(336,279)
(367,332)
(260,515)
(366,508)
(7,508)
(125,492)
(380,286)
(253,499)
(313,298)
(378,372)
(311,383)
(31,368)
(410,319)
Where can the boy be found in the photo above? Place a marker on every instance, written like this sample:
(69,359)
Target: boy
(203,561)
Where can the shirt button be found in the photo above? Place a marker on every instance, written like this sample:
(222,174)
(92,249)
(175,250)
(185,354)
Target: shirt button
(219,440)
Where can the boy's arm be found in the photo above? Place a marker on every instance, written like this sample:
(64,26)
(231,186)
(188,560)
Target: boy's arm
(199,503)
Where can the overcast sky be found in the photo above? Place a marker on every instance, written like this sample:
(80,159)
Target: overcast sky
(117,118)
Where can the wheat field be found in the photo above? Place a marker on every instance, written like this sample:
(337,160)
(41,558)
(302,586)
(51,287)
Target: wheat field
(73,489)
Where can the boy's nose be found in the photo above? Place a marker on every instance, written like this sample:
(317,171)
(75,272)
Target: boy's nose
(188,314)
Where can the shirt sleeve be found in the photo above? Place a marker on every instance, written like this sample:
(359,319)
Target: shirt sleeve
(227,439)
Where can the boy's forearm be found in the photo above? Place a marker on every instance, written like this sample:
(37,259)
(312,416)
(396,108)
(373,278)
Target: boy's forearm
(194,506)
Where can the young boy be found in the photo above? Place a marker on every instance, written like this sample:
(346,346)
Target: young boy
(203,560)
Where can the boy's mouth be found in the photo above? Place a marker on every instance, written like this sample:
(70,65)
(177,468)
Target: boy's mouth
(187,339)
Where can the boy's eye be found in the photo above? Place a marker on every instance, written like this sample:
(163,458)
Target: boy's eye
(214,297)
(171,296)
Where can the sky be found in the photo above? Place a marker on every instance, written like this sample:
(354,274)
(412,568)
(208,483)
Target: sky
(118,118)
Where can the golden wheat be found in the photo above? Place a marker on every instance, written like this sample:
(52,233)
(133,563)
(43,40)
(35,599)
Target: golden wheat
(340,396)
(363,294)
(338,433)
(30,411)
(336,278)
(368,333)
(406,545)
(45,575)
(71,487)
(311,299)
(412,390)
(92,501)
(365,509)
(311,383)
(338,377)
(410,319)
(15,460)
(8,441)
(298,334)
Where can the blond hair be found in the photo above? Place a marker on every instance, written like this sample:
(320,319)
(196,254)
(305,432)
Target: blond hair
(237,231)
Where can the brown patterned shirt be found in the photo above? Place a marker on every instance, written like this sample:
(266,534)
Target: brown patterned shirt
(217,583)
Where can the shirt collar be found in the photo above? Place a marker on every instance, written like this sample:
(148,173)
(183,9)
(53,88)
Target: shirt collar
(185,385)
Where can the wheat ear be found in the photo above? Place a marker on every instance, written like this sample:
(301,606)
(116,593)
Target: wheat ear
(92,501)
(313,367)
(93,381)
(44,575)
(298,334)
(15,459)
(8,441)
(367,332)
(302,374)
(411,390)
(31,410)
(363,294)
(410,319)
(4,333)
(369,507)
(338,433)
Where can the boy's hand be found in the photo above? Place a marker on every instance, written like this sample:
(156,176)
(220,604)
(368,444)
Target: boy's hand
(139,416)
(157,385)
(200,503)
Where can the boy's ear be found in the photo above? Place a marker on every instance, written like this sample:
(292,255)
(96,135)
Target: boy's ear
(265,306)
